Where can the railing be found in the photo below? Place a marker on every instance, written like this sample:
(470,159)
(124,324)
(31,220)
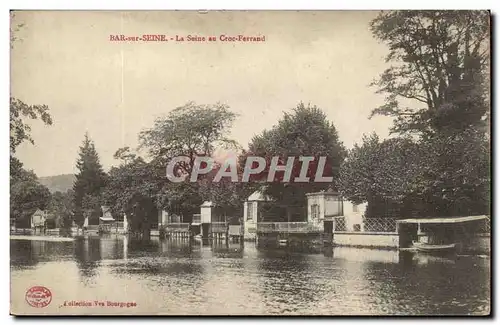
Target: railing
(219,226)
(177,227)
(294,227)
(379,224)
(339,224)
(196,218)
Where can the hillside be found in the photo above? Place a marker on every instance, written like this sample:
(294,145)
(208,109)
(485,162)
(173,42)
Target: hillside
(58,183)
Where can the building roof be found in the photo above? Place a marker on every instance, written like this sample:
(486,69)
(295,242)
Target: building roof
(39,212)
(323,193)
(106,214)
(258,196)
(443,220)
(207,204)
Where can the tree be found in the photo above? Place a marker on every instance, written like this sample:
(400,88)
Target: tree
(132,189)
(89,182)
(19,129)
(304,132)
(438,89)
(228,196)
(61,205)
(26,196)
(439,77)
(191,130)
(386,174)
(435,177)
(456,174)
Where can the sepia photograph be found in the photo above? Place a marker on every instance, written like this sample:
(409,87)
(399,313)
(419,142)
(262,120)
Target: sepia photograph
(250,163)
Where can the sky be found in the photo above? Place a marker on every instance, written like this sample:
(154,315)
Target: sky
(113,90)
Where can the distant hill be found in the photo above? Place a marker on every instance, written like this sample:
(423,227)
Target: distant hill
(58,183)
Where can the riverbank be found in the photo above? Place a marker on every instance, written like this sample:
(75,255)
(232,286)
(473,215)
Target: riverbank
(42,238)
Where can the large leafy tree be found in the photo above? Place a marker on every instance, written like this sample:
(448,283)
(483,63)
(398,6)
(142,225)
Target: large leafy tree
(439,176)
(438,79)
(305,131)
(61,205)
(89,183)
(26,196)
(438,89)
(132,190)
(456,173)
(193,131)
(386,174)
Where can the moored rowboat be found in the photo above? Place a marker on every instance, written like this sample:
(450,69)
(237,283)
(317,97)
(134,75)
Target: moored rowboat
(438,249)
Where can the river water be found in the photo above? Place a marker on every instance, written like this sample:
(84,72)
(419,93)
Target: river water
(179,277)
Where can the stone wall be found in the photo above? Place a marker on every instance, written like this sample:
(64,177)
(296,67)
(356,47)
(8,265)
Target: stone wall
(366,239)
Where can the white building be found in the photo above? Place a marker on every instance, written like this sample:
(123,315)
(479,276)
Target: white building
(326,206)
(251,214)
(38,219)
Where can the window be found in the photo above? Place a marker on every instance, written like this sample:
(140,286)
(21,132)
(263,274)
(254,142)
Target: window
(355,208)
(315,211)
(250,211)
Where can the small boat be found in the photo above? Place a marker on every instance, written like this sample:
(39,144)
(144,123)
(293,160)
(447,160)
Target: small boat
(435,249)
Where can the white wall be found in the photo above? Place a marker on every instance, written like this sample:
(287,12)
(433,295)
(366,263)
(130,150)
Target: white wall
(333,207)
(206,214)
(250,226)
(366,239)
(163,217)
(37,220)
(353,217)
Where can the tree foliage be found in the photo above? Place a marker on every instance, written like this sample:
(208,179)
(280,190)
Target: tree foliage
(20,130)
(26,196)
(61,206)
(304,132)
(380,169)
(89,183)
(446,175)
(132,190)
(437,88)
(193,131)
(439,76)
(229,196)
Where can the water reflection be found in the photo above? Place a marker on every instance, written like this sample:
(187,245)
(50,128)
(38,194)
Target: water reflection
(191,277)
(28,253)
(87,253)
(228,250)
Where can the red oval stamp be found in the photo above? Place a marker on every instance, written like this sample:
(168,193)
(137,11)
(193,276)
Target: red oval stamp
(38,296)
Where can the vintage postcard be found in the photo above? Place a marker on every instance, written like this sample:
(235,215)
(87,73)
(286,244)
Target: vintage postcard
(250,163)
